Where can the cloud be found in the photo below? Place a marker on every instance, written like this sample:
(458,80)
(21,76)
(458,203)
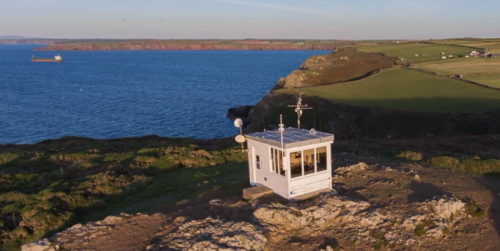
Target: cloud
(279,7)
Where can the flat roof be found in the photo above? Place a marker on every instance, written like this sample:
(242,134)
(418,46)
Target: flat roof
(292,137)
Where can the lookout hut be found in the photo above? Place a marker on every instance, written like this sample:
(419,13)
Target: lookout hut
(291,162)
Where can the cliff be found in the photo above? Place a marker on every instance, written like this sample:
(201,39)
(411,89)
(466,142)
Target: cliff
(101,45)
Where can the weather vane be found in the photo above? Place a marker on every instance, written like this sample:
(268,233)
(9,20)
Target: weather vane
(298,109)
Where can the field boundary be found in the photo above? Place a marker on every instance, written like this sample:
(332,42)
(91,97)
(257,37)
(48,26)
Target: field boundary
(453,77)
(456,45)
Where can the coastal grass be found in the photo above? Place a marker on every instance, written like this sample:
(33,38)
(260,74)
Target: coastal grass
(408,50)
(481,70)
(51,185)
(406,89)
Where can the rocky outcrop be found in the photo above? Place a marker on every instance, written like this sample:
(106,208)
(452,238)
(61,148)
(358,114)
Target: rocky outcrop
(213,234)
(239,112)
(316,62)
(345,64)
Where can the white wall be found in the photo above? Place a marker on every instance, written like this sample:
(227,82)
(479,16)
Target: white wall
(265,175)
(284,185)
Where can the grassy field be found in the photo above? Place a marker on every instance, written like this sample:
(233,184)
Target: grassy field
(406,89)
(482,70)
(492,44)
(408,50)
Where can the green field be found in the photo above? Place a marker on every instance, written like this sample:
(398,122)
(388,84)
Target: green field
(492,44)
(408,50)
(406,89)
(482,70)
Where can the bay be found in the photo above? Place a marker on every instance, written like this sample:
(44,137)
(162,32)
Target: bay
(111,94)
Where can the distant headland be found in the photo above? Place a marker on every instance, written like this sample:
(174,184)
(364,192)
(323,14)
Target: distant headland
(146,44)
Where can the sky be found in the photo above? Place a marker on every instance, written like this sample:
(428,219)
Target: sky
(237,19)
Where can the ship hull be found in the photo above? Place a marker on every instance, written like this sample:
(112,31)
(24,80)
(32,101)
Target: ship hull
(45,60)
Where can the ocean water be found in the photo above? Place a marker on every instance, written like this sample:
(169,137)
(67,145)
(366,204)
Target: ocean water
(110,94)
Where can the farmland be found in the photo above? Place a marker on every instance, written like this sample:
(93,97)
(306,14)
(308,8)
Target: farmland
(408,50)
(482,70)
(492,45)
(406,89)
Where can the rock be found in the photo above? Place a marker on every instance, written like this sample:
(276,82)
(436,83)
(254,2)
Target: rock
(111,219)
(213,234)
(295,79)
(41,245)
(346,171)
(239,112)
(417,177)
(328,209)
(445,206)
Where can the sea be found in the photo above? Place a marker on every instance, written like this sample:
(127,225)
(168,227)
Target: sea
(113,94)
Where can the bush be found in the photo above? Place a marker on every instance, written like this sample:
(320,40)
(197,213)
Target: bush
(420,230)
(474,210)
(409,155)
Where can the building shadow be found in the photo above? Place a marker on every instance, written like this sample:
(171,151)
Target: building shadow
(422,191)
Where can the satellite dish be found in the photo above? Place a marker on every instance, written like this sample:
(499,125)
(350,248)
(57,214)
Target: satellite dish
(240,138)
(238,123)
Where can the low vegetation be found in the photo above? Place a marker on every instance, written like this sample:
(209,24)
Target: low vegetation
(406,89)
(56,183)
(474,165)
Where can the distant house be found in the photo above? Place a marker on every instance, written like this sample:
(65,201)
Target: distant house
(474,53)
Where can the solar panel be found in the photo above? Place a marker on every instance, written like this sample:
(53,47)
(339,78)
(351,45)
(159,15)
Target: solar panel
(290,135)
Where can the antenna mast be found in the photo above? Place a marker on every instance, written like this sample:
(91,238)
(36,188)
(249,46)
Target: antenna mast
(298,109)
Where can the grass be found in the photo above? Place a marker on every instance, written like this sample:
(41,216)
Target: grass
(468,165)
(406,89)
(482,70)
(53,184)
(408,50)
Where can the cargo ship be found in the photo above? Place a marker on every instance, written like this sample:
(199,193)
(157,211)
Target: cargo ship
(56,58)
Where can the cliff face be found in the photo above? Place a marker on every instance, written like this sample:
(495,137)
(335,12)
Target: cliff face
(351,122)
(166,45)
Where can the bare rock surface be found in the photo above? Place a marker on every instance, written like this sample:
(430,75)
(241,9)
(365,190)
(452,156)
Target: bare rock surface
(213,234)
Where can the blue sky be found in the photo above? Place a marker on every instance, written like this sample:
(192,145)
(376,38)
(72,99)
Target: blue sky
(197,19)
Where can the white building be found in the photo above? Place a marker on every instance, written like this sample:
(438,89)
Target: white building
(299,163)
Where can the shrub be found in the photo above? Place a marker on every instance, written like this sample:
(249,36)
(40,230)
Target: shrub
(409,155)
(420,230)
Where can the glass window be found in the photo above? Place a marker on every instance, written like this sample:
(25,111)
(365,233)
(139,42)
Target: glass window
(308,162)
(277,161)
(296,164)
(321,158)
(273,166)
(257,161)
(280,160)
